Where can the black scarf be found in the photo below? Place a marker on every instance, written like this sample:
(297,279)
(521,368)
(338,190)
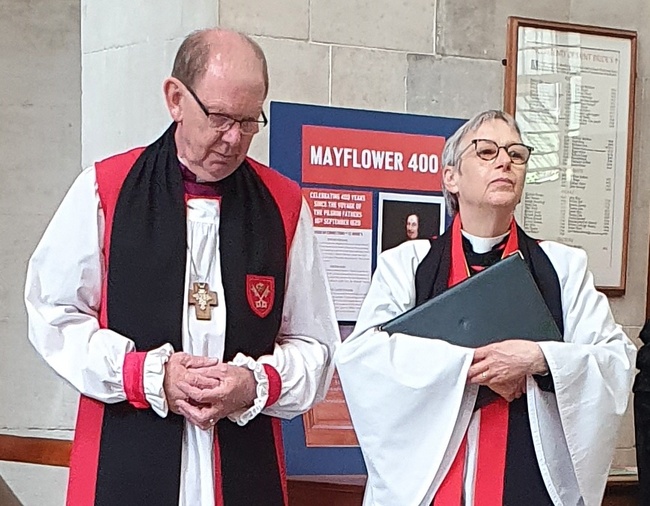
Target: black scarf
(140,453)
(523,478)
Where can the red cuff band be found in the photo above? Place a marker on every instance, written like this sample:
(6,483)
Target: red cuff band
(275,384)
(133,381)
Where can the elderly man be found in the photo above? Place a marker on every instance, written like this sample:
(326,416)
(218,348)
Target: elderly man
(548,436)
(180,290)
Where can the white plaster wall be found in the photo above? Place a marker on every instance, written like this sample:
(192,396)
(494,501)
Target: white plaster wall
(128,49)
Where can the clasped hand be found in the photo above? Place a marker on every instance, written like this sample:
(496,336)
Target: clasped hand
(204,390)
(503,367)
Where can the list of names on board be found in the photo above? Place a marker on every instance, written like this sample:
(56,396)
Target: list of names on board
(572,105)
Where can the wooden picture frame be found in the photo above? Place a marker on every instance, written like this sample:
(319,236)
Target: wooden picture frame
(571,89)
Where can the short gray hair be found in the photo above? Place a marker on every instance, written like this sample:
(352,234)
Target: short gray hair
(453,149)
(193,56)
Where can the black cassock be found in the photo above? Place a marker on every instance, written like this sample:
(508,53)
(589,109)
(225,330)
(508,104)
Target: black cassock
(641,391)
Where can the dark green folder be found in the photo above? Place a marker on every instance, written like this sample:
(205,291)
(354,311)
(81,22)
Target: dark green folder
(501,302)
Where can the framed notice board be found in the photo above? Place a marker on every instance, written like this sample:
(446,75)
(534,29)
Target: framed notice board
(571,89)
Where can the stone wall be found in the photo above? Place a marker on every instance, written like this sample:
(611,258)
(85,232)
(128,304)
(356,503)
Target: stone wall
(82,80)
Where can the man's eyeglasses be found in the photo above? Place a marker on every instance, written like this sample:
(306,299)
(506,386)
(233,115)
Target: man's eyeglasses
(488,150)
(223,122)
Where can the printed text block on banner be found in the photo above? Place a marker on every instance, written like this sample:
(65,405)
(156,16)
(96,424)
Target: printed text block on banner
(340,208)
(343,229)
(371,159)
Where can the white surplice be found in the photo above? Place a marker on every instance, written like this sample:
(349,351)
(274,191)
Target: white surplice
(63,295)
(411,406)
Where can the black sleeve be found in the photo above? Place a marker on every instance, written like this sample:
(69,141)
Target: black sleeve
(545,382)
(485,396)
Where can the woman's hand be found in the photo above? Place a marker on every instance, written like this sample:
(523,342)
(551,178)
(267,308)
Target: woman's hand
(503,366)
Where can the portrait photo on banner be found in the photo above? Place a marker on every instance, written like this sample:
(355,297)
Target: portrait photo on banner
(403,217)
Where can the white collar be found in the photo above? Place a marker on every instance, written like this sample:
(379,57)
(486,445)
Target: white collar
(483,244)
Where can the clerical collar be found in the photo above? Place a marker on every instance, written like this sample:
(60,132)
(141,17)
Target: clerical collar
(198,188)
(483,244)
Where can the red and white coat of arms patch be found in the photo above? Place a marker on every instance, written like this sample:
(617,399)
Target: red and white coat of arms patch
(260,291)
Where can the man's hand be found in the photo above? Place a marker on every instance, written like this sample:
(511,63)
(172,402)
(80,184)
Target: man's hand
(183,367)
(223,390)
(504,366)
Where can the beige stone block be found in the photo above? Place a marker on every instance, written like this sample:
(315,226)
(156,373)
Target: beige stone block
(455,87)
(259,149)
(40,60)
(643,45)
(478,28)
(197,14)
(36,485)
(38,25)
(624,14)
(641,163)
(119,23)
(626,432)
(298,71)
(20,233)
(36,193)
(633,333)
(31,394)
(140,115)
(385,24)
(630,309)
(41,149)
(40,100)
(624,457)
(276,18)
(369,79)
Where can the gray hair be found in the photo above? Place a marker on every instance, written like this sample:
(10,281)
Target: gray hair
(453,149)
(193,56)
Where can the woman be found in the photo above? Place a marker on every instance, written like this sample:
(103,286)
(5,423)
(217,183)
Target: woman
(549,436)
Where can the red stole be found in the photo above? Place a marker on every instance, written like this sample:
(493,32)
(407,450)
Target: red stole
(493,427)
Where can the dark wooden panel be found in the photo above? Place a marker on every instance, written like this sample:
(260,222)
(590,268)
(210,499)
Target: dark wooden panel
(348,491)
(621,491)
(326,490)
